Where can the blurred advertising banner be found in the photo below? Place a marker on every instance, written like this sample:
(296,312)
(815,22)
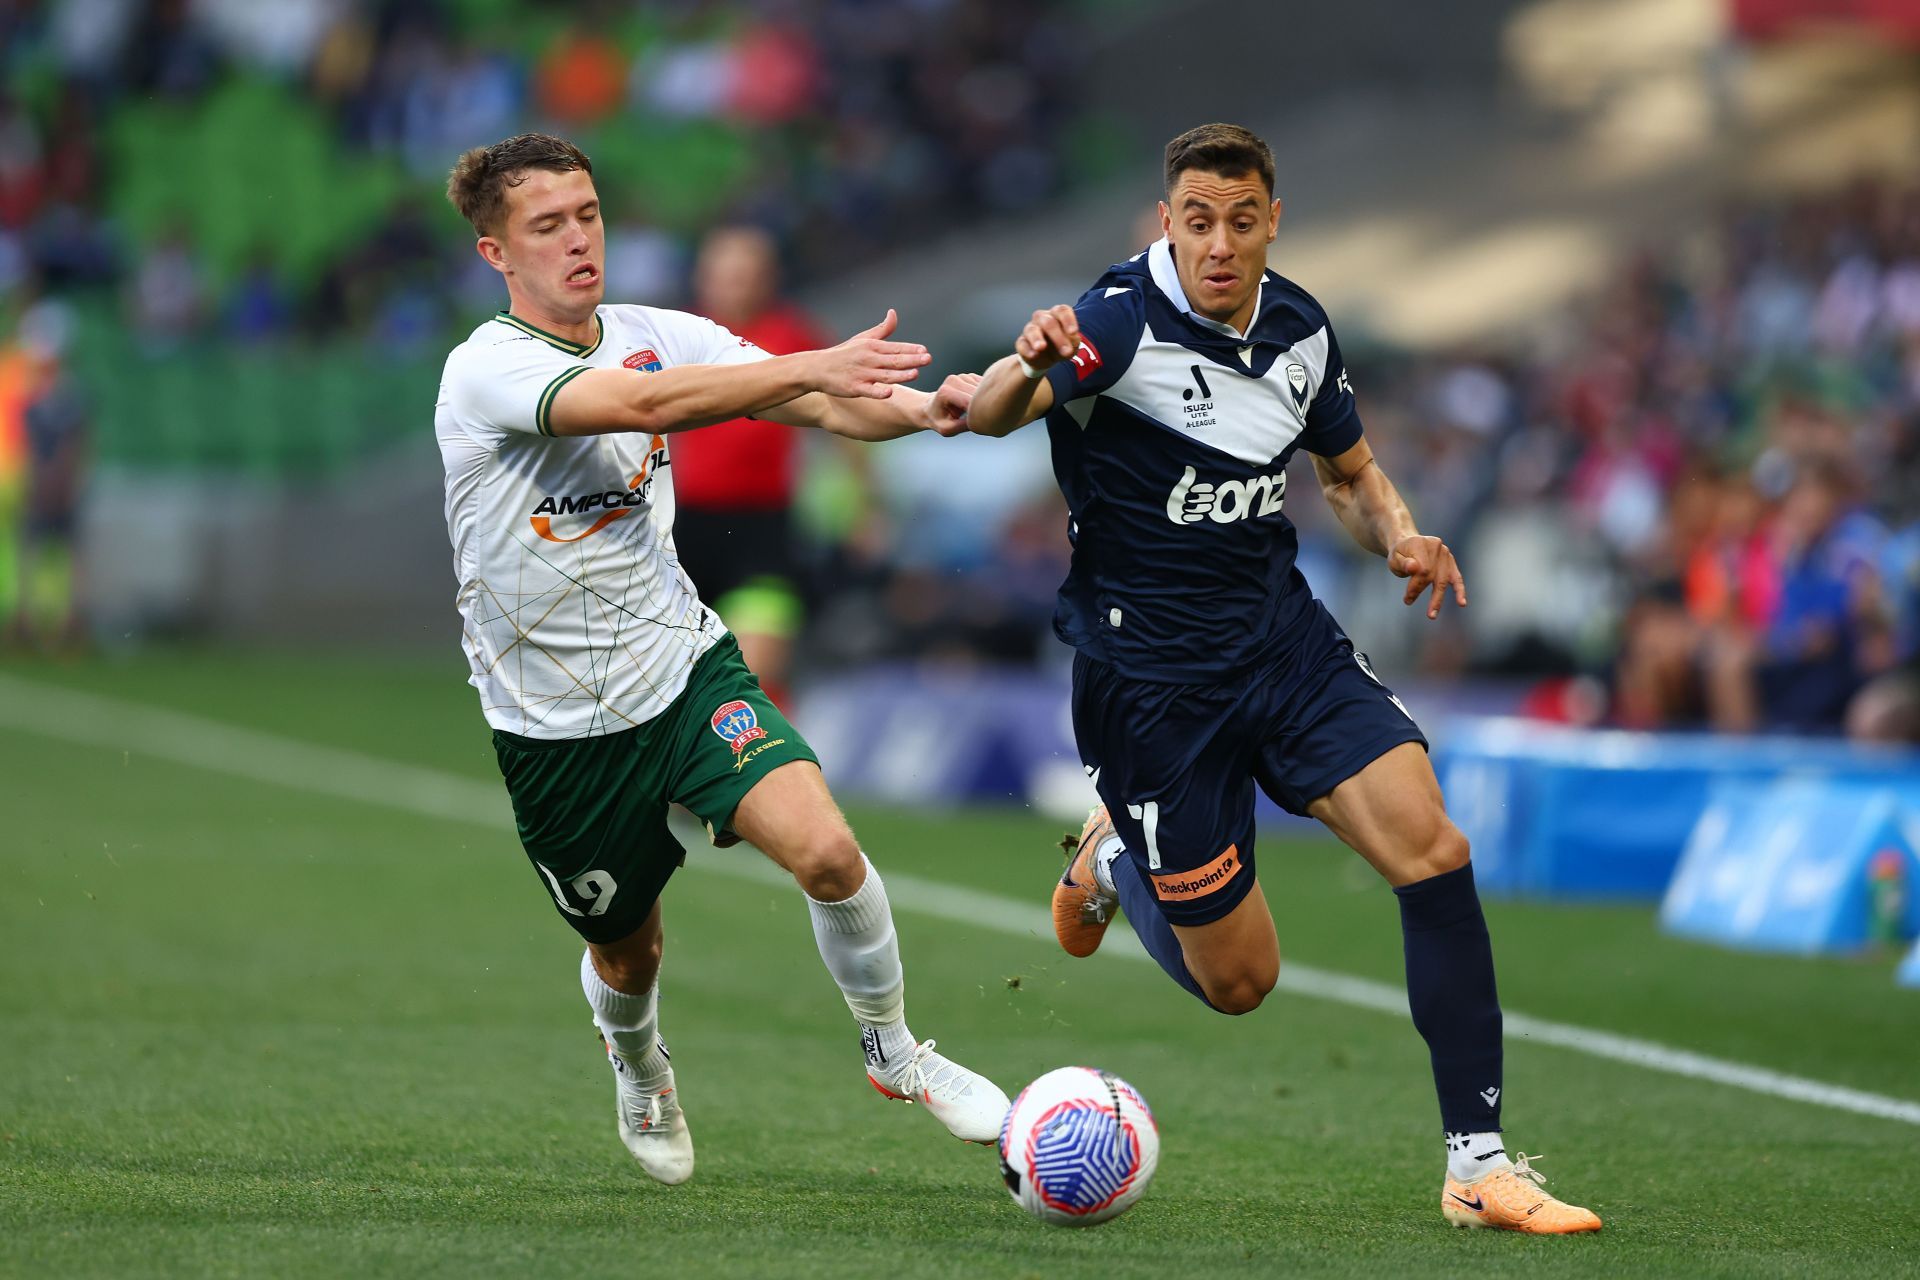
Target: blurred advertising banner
(1802,865)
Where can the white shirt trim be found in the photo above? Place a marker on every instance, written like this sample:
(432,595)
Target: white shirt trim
(1166,277)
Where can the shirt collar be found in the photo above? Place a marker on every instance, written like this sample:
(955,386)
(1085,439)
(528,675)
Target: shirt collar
(1167,278)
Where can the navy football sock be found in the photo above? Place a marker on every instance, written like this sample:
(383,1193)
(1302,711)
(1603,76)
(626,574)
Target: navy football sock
(1156,935)
(1451,991)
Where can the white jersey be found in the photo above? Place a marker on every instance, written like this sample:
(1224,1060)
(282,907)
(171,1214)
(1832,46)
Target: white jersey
(579,619)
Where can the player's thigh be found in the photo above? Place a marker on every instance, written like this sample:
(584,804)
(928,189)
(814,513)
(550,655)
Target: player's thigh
(592,818)
(1391,813)
(1324,720)
(1236,958)
(1172,770)
(747,774)
(790,816)
(1342,748)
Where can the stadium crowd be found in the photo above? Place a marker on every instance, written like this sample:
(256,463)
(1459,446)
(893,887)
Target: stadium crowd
(841,126)
(1695,500)
(1698,501)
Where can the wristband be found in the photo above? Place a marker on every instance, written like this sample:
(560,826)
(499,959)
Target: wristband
(1028,371)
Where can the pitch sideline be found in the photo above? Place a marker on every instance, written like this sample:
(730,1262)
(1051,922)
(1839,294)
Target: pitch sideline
(92,720)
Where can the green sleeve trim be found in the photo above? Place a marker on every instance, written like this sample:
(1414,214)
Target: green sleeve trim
(543,413)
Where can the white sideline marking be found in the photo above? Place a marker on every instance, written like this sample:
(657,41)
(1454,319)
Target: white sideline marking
(94,721)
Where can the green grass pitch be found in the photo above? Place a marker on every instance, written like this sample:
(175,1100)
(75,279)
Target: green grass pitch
(250,1030)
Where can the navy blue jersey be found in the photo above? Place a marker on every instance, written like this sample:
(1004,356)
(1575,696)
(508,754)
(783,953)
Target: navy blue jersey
(1171,435)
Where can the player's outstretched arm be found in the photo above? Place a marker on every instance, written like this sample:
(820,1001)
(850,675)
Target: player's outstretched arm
(1376,515)
(902,413)
(1015,390)
(865,366)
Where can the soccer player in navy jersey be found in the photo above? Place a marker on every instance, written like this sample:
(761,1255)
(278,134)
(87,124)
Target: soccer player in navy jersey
(1175,392)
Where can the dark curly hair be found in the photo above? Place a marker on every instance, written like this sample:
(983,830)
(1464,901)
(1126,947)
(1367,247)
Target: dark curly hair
(478,185)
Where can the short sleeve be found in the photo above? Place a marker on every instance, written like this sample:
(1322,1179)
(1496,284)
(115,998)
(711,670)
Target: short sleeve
(1333,422)
(508,386)
(1111,321)
(691,339)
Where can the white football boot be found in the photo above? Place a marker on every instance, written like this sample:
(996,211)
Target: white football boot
(651,1122)
(969,1104)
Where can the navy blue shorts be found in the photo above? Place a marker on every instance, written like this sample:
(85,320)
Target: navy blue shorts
(1176,764)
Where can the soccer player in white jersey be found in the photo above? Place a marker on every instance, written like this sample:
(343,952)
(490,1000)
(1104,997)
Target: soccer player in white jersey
(1175,392)
(610,688)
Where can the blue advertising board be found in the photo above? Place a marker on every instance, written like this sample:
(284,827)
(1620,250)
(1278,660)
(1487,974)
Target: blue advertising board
(1802,865)
(1554,812)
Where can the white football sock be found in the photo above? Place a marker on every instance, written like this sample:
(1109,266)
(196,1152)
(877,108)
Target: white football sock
(857,942)
(1110,848)
(630,1023)
(1474,1155)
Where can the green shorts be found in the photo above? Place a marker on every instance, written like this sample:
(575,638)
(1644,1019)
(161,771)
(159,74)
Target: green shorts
(592,812)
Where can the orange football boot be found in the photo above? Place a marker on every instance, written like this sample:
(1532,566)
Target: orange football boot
(1082,910)
(1510,1199)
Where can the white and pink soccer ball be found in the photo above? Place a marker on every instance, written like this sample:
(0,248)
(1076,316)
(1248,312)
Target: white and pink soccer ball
(1078,1147)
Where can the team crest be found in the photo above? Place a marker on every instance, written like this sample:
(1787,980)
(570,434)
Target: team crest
(736,722)
(644,360)
(1297,379)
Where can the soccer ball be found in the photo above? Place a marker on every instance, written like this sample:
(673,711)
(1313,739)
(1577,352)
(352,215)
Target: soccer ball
(1078,1147)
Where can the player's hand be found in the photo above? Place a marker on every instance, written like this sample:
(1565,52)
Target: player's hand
(1050,337)
(1427,562)
(947,407)
(869,365)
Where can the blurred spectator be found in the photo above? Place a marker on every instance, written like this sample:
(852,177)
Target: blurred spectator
(685,78)
(168,298)
(279,38)
(1829,629)
(644,264)
(734,483)
(90,37)
(1688,639)
(258,308)
(580,80)
(776,75)
(172,56)
(23,171)
(17,376)
(55,420)
(1776,627)
(392,288)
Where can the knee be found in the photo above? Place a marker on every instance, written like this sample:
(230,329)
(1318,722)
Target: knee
(1444,849)
(827,864)
(1237,999)
(632,964)
(1241,992)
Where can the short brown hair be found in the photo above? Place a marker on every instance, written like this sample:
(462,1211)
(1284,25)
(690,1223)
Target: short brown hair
(1225,149)
(477,187)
